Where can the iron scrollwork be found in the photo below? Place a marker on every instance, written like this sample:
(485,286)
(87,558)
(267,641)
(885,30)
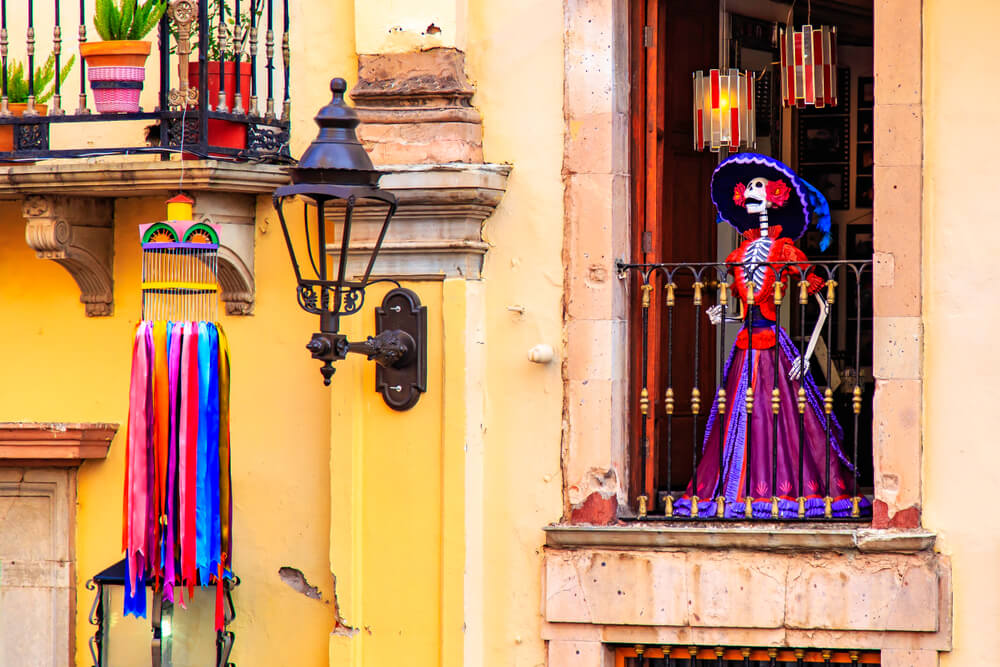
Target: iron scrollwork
(31,137)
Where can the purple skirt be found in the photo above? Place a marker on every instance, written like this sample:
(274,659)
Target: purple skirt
(753,451)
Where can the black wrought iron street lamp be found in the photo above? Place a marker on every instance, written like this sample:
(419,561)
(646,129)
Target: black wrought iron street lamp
(332,177)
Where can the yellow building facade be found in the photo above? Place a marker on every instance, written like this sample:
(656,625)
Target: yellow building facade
(473,529)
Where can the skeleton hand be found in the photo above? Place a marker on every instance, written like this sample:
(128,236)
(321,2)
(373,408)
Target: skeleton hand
(714,314)
(799,368)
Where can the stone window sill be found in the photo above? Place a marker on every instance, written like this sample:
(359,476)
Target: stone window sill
(763,537)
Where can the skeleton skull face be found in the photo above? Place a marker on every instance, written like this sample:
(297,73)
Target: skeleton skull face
(756,196)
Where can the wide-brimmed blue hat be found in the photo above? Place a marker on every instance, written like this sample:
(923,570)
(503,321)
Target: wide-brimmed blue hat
(793,216)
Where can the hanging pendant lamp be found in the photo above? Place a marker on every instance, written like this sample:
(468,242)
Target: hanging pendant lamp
(808,61)
(724,110)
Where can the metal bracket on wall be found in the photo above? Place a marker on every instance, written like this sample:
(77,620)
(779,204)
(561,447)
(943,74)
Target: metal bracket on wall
(402,384)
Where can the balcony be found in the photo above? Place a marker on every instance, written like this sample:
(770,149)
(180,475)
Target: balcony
(65,110)
(709,360)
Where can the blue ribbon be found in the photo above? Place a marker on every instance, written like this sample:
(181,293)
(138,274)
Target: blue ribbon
(135,600)
(203,519)
(212,449)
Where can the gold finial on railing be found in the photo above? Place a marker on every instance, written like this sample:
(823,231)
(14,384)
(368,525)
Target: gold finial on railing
(802,507)
(718,651)
(698,286)
(723,287)
(642,505)
(269,53)
(774,507)
(748,508)
(802,400)
(668,505)
(254,35)
(668,401)
(694,506)
(57,109)
(750,295)
(803,292)
(670,294)
(720,507)
(31,111)
(828,506)
(854,656)
(855,507)
(827,654)
(831,291)
(82,108)
(722,401)
(646,289)
(772,653)
(779,288)
(828,401)
(644,401)
(745,652)
(799,654)
(4,108)
(639,650)
(775,400)
(749,400)
(856,399)
(695,400)
(692,651)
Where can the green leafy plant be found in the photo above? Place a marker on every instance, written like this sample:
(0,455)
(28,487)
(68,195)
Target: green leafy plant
(17,82)
(127,19)
(237,40)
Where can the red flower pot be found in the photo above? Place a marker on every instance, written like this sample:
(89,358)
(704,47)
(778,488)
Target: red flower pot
(224,133)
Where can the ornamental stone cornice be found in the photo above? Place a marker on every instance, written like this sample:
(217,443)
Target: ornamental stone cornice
(54,443)
(437,230)
(68,207)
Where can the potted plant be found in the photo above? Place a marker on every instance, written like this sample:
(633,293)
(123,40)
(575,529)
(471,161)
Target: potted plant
(17,92)
(116,67)
(221,62)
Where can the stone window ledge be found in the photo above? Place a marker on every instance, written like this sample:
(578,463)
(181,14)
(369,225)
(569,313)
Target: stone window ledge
(137,178)
(53,444)
(762,537)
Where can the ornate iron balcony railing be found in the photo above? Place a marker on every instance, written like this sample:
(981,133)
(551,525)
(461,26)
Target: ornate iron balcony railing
(722,426)
(241,113)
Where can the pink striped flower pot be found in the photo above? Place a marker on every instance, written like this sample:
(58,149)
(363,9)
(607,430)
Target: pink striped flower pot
(116,89)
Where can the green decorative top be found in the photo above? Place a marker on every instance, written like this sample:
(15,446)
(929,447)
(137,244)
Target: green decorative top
(117,20)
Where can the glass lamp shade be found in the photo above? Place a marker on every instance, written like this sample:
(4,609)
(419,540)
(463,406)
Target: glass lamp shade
(724,110)
(808,66)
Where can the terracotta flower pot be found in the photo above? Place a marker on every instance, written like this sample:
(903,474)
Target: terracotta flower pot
(224,133)
(7,131)
(116,70)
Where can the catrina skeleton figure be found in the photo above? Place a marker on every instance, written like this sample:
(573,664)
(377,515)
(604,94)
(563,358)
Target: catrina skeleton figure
(763,452)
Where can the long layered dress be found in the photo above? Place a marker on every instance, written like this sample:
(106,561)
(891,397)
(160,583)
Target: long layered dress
(751,449)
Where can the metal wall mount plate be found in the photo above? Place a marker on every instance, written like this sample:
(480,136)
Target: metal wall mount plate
(402,384)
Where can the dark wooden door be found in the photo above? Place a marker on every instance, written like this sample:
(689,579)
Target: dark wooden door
(673,222)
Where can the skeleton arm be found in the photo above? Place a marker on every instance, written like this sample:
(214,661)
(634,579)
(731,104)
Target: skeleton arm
(801,364)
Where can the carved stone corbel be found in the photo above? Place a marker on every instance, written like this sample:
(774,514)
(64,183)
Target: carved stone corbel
(77,233)
(235,215)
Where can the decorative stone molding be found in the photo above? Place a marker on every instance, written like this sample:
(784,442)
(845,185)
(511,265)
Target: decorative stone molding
(53,443)
(234,213)
(138,178)
(69,211)
(437,230)
(415,108)
(75,232)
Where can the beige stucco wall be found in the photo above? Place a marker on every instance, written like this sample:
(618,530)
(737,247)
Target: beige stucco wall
(962,368)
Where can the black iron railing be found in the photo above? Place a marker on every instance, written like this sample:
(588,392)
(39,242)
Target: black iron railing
(200,110)
(723,656)
(742,458)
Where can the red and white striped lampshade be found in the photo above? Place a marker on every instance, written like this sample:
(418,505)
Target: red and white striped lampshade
(808,61)
(724,110)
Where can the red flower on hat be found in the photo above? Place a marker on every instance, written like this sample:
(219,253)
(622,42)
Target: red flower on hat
(739,196)
(778,192)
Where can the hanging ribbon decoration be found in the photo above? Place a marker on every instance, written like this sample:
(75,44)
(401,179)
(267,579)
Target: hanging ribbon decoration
(177,523)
